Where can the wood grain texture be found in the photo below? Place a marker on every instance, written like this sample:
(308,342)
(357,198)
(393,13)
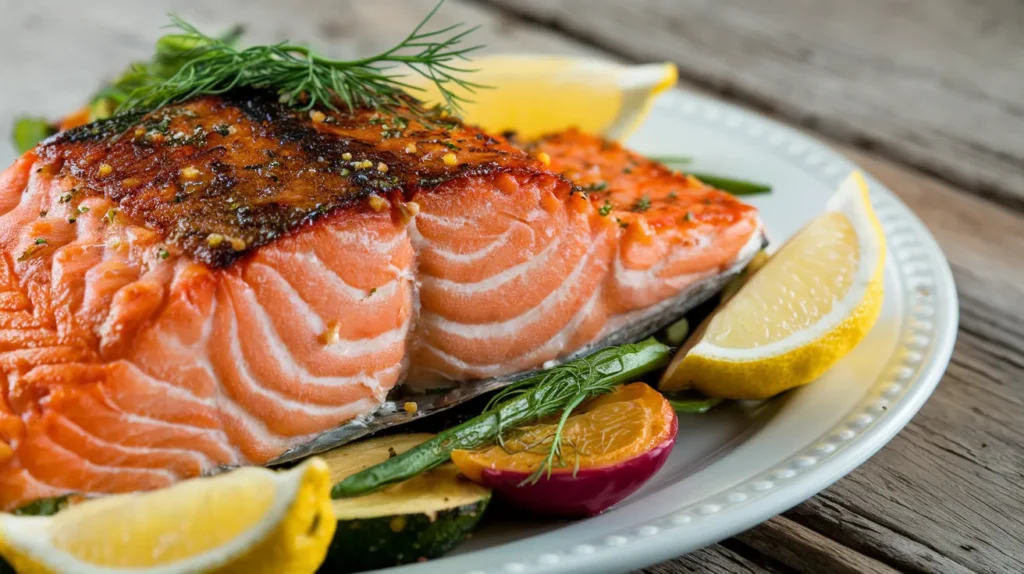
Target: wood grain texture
(938,85)
(730,557)
(945,495)
(806,550)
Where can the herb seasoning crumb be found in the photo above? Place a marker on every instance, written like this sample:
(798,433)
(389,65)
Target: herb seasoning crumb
(214,239)
(642,204)
(605,209)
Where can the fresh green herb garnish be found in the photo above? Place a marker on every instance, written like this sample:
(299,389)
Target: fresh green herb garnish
(596,186)
(642,204)
(671,159)
(305,79)
(690,404)
(28,131)
(45,506)
(605,209)
(558,390)
(676,333)
(733,186)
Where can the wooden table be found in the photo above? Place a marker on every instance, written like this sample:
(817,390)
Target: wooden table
(928,96)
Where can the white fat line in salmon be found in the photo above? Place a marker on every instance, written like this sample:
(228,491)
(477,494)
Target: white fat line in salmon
(516,324)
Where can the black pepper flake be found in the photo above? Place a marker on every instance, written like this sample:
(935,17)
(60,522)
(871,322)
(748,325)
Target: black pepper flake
(622,224)
(42,213)
(72,219)
(65,198)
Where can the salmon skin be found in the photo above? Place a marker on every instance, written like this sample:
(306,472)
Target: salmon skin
(229,281)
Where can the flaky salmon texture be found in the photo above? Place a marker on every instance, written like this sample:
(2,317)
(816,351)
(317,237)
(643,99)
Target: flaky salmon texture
(218,281)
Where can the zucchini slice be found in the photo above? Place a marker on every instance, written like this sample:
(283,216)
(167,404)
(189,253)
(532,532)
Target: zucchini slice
(420,518)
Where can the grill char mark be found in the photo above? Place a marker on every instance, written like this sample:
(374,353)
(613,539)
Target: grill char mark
(250,169)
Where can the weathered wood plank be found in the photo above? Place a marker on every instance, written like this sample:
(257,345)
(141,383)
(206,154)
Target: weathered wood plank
(718,559)
(805,550)
(870,538)
(938,85)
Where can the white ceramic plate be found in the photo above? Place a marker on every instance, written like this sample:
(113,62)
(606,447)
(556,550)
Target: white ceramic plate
(737,467)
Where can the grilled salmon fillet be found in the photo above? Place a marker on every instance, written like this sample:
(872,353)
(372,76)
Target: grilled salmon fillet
(215,282)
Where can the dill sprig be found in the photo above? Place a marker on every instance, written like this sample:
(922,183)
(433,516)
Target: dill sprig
(560,389)
(564,388)
(304,79)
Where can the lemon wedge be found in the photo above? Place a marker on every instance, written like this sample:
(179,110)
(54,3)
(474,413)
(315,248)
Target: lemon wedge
(537,95)
(806,308)
(250,520)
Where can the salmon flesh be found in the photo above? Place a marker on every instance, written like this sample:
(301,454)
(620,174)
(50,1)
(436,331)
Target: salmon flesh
(229,281)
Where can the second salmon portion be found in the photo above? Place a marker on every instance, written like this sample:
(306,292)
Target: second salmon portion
(221,280)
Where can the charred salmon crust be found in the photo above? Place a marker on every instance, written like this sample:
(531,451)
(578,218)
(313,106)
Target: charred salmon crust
(249,168)
(217,282)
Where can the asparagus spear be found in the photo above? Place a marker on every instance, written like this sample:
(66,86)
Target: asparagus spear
(557,390)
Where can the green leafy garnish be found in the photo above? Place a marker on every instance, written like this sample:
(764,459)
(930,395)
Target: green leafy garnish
(45,506)
(694,405)
(305,79)
(670,159)
(28,131)
(733,186)
(558,390)
(676,333)
(642,204)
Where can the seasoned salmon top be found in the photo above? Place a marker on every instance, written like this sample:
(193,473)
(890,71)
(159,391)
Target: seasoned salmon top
(218,176)
(635,188)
